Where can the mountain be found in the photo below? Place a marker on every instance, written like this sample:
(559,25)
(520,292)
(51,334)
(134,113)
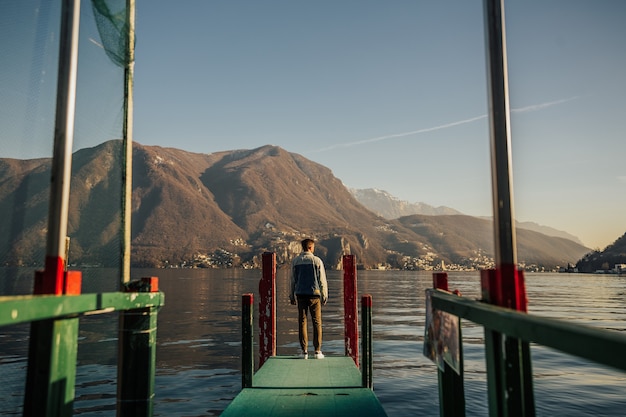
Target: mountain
(604,260)
(24,194)
(548,231)
(390,207)
(227,208)
(464,237)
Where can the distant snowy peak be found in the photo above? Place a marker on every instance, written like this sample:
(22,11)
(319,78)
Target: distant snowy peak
(391,207)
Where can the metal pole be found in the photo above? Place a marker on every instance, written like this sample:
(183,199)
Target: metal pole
(61,170)
(510,359)
(53,344)
(127,145)
(499,123)
(247,350)
(366,342)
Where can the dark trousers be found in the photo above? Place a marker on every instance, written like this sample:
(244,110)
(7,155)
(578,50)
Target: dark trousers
(311,305)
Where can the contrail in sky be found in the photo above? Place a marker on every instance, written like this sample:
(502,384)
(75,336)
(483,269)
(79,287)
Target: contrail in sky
(530,108)
(95,42)
(400,135)
(541,106)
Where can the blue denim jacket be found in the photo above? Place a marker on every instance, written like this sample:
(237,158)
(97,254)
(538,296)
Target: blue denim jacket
(308,277)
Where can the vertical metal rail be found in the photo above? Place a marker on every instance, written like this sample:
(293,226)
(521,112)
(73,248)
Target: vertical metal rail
(514,396)
(127,145)
(61,171)
(137,328)
(367,367)
(350,315)
(499,123)
(53,344)
(247,342)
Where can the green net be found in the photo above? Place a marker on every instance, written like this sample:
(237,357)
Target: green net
(95,201)
(112,20)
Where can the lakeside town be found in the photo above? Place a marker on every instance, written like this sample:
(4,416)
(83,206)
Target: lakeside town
(429,262)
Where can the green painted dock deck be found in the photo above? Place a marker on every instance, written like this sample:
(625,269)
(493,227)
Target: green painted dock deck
(290,386)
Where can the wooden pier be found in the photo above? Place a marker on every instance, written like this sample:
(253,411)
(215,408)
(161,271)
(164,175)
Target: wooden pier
(291,386)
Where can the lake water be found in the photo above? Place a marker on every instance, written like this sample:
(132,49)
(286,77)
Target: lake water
(199,342)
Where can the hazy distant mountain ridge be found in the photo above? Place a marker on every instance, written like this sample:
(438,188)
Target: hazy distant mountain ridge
(386,205)
(390,207)
(463,237)
(548,231)
(227,208)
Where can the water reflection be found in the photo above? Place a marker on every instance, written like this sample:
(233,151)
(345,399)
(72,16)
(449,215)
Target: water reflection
(199,342)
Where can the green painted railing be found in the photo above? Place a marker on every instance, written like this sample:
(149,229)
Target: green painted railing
(54,319)
(29,308)
(598,345)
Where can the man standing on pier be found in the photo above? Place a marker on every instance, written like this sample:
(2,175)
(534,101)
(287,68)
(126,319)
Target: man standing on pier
(309,287)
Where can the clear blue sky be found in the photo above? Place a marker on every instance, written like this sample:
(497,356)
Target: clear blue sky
(392,95)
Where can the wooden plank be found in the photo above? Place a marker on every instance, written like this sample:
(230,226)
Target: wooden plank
(288,386)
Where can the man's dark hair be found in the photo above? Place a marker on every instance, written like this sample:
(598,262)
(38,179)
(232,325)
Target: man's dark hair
(307,244)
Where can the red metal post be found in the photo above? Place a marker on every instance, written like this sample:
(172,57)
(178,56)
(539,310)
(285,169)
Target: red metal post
(504,287)
(513,289)
(517,377)
(508,359)
(267,308)
(490,286)
(521,290)
(351,318)
(53,347)
(440,280)
(50,280)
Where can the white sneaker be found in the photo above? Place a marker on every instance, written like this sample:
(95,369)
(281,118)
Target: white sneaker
(319,355)
(304,355)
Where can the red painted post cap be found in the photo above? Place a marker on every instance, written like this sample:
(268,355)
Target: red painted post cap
(440,280)
(72,283)
(366,301)
(247,299)
(152,283)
